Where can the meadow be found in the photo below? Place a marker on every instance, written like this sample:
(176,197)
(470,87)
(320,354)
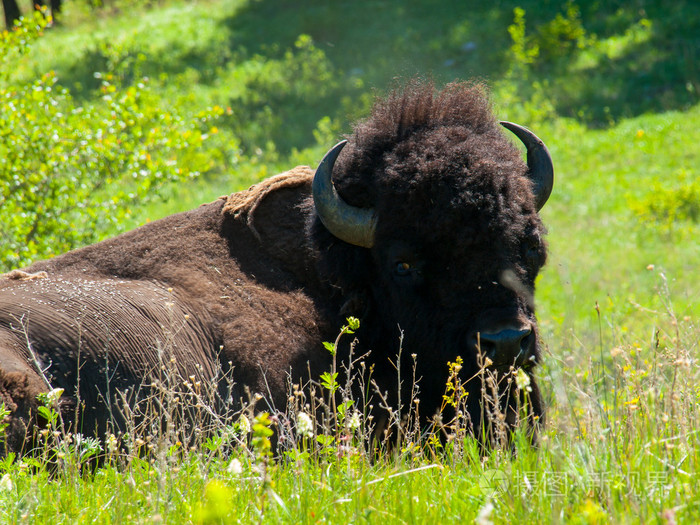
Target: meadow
(125,112)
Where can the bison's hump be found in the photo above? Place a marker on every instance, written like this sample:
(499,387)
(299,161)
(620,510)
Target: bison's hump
(245,204)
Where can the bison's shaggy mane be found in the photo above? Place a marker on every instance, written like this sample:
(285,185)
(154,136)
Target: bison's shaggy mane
(418,114)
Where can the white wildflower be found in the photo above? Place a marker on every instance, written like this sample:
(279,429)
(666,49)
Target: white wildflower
(87,445)
(354,421)
(111,443)
(54,395)
(6,484)
(484,516)
(235,467)
(243,425)
(522,380)
(305,426)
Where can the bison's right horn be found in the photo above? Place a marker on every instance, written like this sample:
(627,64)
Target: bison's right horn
(539,162)
(348,223)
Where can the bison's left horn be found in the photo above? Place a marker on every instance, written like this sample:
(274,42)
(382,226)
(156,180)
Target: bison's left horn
(349,223)
(539,162)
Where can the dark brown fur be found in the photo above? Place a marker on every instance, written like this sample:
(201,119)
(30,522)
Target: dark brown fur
(263,283)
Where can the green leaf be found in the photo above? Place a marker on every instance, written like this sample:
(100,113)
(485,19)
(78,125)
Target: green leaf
(343,407)
(47,413)
(328,381)
(325,440)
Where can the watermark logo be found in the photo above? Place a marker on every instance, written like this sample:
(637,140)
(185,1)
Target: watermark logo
(559,483)
(493,481)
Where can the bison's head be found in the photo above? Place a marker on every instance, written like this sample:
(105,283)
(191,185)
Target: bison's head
(427,222)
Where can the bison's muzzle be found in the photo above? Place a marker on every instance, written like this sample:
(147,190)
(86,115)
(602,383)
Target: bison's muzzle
(505,348)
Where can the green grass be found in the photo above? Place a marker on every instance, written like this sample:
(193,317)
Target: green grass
(600,243)
(613,91)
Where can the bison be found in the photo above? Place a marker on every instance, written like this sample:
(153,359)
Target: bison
(423,224)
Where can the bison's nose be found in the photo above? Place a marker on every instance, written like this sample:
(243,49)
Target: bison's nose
(507,347)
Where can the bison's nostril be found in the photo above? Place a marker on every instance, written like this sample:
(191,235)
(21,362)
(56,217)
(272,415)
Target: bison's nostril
(507,347)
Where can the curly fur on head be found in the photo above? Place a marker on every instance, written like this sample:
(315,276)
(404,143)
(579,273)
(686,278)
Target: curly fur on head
(416,112)
(421,143)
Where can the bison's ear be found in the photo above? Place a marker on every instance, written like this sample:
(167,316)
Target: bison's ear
(348,223)
(539,162)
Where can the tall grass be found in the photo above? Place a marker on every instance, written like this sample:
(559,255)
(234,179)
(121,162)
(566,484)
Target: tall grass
(620,445)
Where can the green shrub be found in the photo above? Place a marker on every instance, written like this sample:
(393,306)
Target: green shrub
(523,51)
(69,172)
(559,37)
(276,103)
(551,41)
(668,205)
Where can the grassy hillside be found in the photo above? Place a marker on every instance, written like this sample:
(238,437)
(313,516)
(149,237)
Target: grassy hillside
(611,87)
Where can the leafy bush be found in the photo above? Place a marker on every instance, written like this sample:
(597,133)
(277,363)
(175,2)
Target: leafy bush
(551,41)
(522,51)
(276,103)
(68,171)
(560,36)
(667,206)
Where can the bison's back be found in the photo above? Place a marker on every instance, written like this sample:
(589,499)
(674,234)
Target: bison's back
(96,338)
(106,320)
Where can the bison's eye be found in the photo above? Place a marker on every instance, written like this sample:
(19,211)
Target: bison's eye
(403,268)
(404,264)
(408,273)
